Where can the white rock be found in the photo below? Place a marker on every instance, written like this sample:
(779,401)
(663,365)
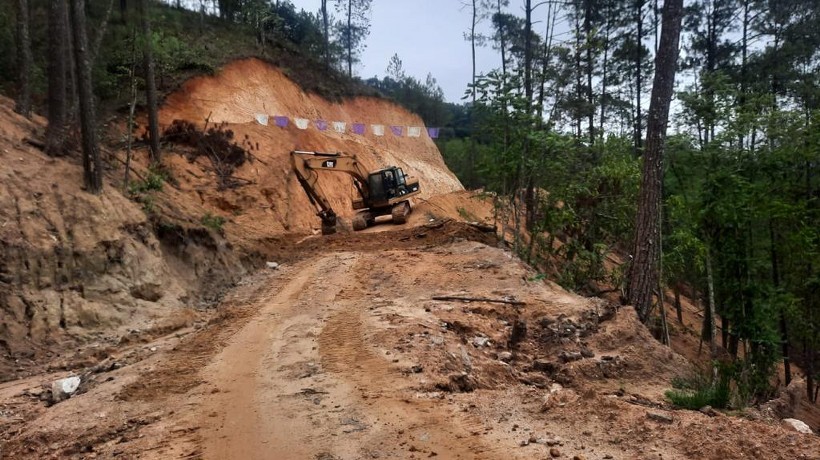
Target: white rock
(480,341)
(272,265)
(798,425)
(63,388)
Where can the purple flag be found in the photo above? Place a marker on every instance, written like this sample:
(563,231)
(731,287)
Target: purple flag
(433,133)
(281,122)
(321,124)
(358,128)
(397,130)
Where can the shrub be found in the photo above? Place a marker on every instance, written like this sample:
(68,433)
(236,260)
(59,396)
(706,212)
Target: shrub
(213,222)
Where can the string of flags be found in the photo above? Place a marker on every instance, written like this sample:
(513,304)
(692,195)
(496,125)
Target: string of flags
(343,127)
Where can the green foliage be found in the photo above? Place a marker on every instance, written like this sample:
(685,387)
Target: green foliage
(186,44)
(699,391)
(143,191)
(423,98)
(153,182)
(213,222)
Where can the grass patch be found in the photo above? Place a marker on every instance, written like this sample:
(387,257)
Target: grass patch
(213,222)
(699,391)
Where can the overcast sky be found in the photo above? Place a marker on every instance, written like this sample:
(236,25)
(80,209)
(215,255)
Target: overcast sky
(428,36)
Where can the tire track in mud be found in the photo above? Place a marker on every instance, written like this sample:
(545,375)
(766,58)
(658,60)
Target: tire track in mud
(303,380)
(241,420)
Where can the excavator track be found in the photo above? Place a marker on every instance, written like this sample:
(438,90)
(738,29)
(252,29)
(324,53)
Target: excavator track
(359,222)
(400,212)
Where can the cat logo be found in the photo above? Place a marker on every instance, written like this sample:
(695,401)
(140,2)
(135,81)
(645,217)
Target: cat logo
(329,164)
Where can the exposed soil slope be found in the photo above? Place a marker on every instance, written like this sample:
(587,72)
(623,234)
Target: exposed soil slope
(76,267)
(274,201)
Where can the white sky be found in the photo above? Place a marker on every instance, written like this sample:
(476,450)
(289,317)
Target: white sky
(428,36)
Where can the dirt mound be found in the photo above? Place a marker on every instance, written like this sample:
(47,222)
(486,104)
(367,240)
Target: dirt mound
(273,201)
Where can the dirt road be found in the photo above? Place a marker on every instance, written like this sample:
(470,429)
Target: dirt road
(302,380)
(343,354)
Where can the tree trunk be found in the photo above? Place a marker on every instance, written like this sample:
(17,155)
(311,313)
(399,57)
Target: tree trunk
(645,267)
(72,84)
(528,52)
(150,83)
(678,306)
(101,31)
(502,38)
(638,76)
(472,174)
(326,27)
(57,111)
(579,90)
(709,329)
(545,61)
(350,38)
(589,68)
(24,60)
(604,70)
(808,355)
(784,332)
(528,180)
(92,164)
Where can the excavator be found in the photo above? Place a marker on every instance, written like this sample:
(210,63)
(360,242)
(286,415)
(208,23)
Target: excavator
(381,192)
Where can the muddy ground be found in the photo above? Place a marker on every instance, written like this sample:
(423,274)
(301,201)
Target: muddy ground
(343,354)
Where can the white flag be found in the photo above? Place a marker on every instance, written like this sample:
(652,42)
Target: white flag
(413,131)
(339,126)
(261,119)
(301,123)
(378,130)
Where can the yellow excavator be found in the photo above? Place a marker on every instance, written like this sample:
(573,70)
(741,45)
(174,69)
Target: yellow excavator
(381,192)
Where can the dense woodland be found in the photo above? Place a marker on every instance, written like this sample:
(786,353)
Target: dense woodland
(563,134)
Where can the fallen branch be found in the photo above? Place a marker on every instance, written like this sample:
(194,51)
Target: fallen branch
(132,170)
(478,299)
(35,143)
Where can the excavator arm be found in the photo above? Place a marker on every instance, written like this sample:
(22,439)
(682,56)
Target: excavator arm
(307,164)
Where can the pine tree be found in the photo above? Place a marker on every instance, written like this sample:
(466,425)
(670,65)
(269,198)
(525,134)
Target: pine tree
(57,107)
(355,28)
(150,82)
(24,59)
(92,163)
(644,275)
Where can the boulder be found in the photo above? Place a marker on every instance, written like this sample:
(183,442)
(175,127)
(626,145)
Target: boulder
(63,389)
(797,425)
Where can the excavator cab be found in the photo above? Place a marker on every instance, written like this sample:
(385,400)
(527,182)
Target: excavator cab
(388,183)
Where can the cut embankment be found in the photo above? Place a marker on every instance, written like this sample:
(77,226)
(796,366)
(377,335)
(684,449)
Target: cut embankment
(272,201)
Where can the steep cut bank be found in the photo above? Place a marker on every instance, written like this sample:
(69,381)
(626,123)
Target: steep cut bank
(78,268)
(274,202)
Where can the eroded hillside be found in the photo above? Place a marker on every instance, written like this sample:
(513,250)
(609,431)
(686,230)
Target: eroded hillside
(274,201)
